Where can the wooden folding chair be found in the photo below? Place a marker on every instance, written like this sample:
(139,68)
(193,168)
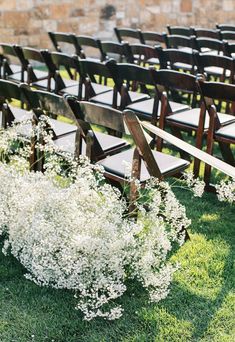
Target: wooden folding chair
(11,70)
(10,111)
(185,43)
(220,131)
(91,48)
(225,27)
(200,32)
(177,59)
(146,54)
(153,38)
(119,51)
(221,68)
(114,165)
(63,42)
(179,30)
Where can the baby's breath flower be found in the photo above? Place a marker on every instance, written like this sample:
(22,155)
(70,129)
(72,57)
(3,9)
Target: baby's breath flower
(226,191)
(71,230)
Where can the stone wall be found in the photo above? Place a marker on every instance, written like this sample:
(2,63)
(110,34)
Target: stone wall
(26,22)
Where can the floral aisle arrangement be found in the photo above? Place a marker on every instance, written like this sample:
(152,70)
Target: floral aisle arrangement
(71,230)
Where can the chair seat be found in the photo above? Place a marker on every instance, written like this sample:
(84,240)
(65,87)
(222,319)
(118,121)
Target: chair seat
(212,70)
(60,128)
(107,98)
(16,77)
(145,108)
(107,142)
(40,73)
(168,164)
(42,84)
(20,114)
(227,131)
(98,88)
(183,66)
(191,118)
(15,68)
(153,61)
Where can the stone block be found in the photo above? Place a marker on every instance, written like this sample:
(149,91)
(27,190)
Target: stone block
(186,6)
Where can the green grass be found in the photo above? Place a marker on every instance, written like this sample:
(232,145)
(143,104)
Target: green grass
(200,306)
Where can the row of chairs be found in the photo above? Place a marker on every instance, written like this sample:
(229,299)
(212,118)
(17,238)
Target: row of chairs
(103,49)
(220,32)
(218,66)
(109,151)
(173,114)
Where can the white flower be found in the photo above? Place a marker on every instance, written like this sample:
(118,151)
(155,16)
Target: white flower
(226,191)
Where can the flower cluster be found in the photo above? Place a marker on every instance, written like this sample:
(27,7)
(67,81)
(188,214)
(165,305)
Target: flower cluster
(73,231)
(226,191)
(195,184)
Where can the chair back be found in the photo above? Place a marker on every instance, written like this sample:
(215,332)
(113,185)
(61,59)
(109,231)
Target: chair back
(123,34)
(153,38)
(206,33)
(145,52)
(225,27)
(169,57)
(228,35)
(179,42)
(179,30)
(210,44)
(223,62)
(90,42)
(66,39)
(119,51)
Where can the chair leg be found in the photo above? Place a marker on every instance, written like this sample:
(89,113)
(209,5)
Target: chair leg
(227,153)
(135,174)
(177,133)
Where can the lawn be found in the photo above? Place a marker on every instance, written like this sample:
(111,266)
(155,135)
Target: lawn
(200,306)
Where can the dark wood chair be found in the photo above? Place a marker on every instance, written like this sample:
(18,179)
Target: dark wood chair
(194,120)
(198,154)
(91,72)
(38,74)
(73,87)
(217,68)
(115,98)
(12,60)
(147,103)
(128,34)
(229,49)
(146,54)
(219,131)
(225,27)
(114,165)
(118,51)
(185,43)
(209,45)
(63,42)
(60,109)
(178,60)
(228,36)
(153,38)
(206,33)
(130,83)
(9,110)
(91,48)
(179,30)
